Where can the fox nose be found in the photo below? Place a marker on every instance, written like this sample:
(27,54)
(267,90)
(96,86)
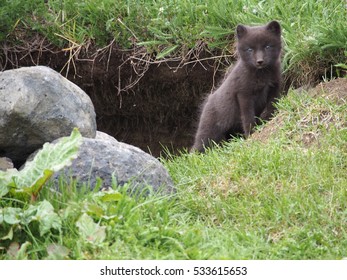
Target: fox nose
(260,62)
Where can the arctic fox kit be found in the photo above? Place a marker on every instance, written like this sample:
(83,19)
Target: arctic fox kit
(249,90)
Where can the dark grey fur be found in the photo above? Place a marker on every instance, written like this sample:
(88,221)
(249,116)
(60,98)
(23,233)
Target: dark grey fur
(249,90)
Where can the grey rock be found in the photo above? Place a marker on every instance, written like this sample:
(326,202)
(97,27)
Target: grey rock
(5,163)
(108,159)
(38,105)
(105,137)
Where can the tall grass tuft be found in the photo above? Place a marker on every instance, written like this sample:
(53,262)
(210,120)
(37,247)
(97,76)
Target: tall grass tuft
(314,32)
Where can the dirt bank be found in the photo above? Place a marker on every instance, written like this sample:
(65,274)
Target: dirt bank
(151,104)
(137,100)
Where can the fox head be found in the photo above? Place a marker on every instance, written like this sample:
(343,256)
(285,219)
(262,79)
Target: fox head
(259,46)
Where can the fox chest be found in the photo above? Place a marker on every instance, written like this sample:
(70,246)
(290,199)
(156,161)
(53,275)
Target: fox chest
(259,96)
(260,92)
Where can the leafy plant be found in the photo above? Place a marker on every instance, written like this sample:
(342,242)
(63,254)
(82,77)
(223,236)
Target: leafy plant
(42,212)
(101,207)
(34,175)
(21,222)
(90,231)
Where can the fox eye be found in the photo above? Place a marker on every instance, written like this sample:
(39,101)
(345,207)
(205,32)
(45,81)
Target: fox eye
(267,47)
(249,50)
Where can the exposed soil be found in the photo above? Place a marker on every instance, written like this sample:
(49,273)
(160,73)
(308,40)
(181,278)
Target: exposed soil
(137,100)
(271,128)
(335,90)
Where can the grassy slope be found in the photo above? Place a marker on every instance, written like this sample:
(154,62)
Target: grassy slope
(251,200)
(279,199)
(283,198)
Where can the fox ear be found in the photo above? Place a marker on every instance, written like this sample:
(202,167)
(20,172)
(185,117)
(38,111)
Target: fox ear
(274,27)
(241,30)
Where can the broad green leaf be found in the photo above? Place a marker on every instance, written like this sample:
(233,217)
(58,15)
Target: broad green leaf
(6,178)
(29,214)
(22,253)
(57,252)
(18,252)
(9,235)
(10,215)
(46,174)
(44,213)
(47,217)
(73,210)
(95,210)
(111,196)
(4,189)
(51,158)
(13,250)
(91,231)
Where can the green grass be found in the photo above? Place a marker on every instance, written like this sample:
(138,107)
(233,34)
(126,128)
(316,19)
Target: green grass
(314,32)
(283,198)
